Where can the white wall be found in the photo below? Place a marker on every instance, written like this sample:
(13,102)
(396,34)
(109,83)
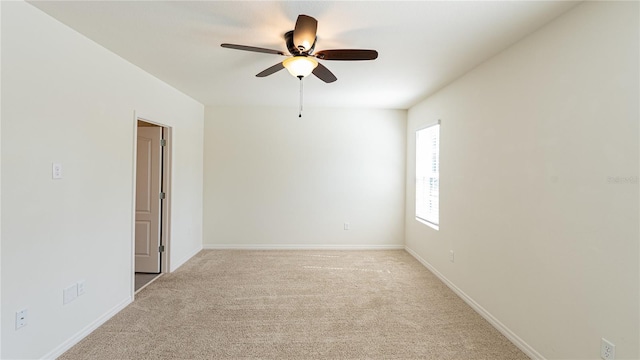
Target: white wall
(68,100)
(539,185)
(273,180)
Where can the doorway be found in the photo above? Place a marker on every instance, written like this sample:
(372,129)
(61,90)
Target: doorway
(151,230)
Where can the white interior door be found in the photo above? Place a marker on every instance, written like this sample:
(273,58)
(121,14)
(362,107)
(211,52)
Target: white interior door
(148,214)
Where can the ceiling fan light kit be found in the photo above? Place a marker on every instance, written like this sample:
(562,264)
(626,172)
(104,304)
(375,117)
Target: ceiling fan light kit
(300,66)
(300,42)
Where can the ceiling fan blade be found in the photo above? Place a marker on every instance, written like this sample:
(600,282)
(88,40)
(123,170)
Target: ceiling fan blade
(275,68)
(322,73)
(252,48)
(347,54)
(304,34)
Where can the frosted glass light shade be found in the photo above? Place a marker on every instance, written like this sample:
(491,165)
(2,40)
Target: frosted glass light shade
(300,66)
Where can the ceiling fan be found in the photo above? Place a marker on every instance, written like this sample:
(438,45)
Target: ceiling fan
(302,62)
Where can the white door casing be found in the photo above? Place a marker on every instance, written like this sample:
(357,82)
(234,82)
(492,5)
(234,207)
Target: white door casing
(148,209)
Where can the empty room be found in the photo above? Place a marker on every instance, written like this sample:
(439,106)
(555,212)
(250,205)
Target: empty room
(320,180)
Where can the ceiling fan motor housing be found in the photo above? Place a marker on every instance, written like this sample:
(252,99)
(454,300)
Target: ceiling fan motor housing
(293,49)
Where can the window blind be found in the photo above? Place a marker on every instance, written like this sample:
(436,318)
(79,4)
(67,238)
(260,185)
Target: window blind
(428,174)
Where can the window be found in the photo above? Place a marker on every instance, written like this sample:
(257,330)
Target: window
(428,175)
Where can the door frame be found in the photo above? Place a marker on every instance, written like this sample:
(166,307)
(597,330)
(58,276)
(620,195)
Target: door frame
(165,208)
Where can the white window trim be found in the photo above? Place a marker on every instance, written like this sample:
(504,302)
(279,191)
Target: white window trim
(429,224)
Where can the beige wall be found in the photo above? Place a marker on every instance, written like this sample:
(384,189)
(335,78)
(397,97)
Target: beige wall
(539,185)
(273,180)
(68,100)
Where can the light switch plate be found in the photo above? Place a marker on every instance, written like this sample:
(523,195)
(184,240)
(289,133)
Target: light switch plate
(21,318)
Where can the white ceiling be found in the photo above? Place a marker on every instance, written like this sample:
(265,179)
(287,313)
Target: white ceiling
(422,45)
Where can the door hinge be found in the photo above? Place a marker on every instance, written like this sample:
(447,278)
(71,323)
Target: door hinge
(163,142)
(161,248)
(163,196)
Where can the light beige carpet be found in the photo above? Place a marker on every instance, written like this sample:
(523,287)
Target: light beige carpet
(297,305)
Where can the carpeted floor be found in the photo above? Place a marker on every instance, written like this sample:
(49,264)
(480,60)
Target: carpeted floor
(231,304)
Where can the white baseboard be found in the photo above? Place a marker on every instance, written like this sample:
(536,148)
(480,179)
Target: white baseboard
(176,264)
(299,247)
(87,330)
(515,339)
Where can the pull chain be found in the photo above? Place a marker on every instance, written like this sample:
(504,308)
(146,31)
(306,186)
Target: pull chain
(300,110)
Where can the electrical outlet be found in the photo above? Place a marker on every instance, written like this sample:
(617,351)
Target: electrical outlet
(56,171)
(21,318)
(451,255)
(347,226)
(607,350)
(69,294)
